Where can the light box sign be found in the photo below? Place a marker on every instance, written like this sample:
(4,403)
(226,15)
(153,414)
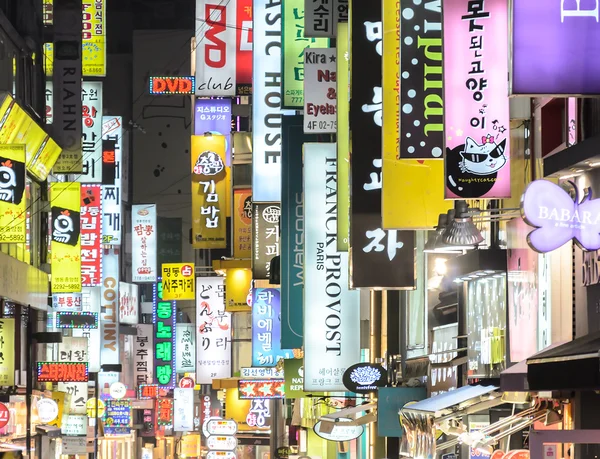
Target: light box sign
(256,388)
(66,301)
(91,235)
(294,45)
(164,415)
(112,130)
(321,18)
(242,223)
(215,48)
(320,90)
(76,319)
(109,309)
(261,372)
(117,415)
(343,137)
(144,243)
(543,58)
(143,351)
(66,240)
(238,290)
(244,47)
(91,110)
(91,299)
(55,372)
(148,392)
(184,409)
(186,348)
(13,199)
(476,112)
(77,395)
(178,281)
(128,303)
(558,218)
(209,192)
(331,310)
(266,328)
(49,91)
(213,331)
(172,85)
(165,316)
(214,116)
(7,354)
(265,234)
(73,350)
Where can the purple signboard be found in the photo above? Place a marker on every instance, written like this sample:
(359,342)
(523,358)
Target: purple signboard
(555,47)
(214,116)
(558,218)
(476,112)
(266,328)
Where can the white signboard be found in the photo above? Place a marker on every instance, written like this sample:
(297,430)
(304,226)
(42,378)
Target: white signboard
(331,310)
(221,442)
(47,410)
(109,313)
(90,303)
(221,427)
(143,243)
(111,194)
(128,303)
(143,369)
(73,349)
(321,18)
(340,432)
(74,424)
(213,331)
(183,410)
(77,395)
(185,343)
(49,101)
(74,445)
(266,372)
(320,91)
(91,95)
(216,47)
(66,302)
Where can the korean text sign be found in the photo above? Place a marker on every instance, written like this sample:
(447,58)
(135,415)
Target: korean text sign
(117,415)
(244,47)
(144,243)
(62,372)
(209,192)
(91,131)
(186,348)
(213,331)
(265,234)
(7,354)
(476,112)
(109,309)
(13,199)
(178,281)
(94,38)
(321,17)
(66,241)
(165,314)
(143,350)
(214,116)
(320,90)
(91,235)
(111,193)
(242,223)
(266,328)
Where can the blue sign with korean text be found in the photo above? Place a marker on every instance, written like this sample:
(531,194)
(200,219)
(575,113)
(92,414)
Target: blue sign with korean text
(266,328)
(117,416)
(214,116)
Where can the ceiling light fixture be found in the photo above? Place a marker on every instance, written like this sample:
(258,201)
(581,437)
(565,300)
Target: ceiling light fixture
(461,231)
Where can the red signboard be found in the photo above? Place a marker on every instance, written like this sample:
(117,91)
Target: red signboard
(243,48)
(148,391)
(168,85)
(62,372)
(4,415)
(91,235)
(164,411)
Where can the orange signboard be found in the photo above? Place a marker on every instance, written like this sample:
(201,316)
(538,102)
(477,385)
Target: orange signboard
(62,372)
(168,85)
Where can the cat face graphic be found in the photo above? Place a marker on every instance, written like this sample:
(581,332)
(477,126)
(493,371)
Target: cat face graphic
(483,159)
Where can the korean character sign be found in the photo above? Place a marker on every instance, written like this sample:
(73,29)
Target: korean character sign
(66,241)
(321,17)
(178,281)
(476,111)
(185,361)
(165,314)
(67,302)
(265,234)
(209,192)
(91,235)
(94,38)
(266,328)
(112,130)
(183,410)
(91,94)
(244,47)
(214,116)
(213,331)
(143,350)
(13,199)
(144,240)
(7,352)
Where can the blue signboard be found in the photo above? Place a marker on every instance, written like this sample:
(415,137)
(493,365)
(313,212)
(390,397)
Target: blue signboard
(266,328)
(117,416)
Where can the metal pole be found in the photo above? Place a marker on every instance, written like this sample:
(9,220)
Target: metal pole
(29,379)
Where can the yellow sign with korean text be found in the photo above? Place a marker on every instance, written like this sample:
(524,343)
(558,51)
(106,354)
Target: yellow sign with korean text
(7,352)
(238,284)
(13,198)
(343,139)
(209,192)
(242,223)
(178,281)
(65,202)
(93,39)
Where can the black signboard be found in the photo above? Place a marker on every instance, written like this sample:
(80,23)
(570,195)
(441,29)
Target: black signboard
(379,258)
(76,320)
(265,234)
(109,164)
(364,378)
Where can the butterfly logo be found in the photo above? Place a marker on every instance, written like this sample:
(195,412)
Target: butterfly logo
(558,218)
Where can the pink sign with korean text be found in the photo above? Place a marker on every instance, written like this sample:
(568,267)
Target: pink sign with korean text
(476,110)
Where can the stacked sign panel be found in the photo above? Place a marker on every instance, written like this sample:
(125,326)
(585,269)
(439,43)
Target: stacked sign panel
(144,243)
(112,131)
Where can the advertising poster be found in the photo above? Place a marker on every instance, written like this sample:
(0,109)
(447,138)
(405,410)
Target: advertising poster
(178,281)
(266,328)
(111,193)
(128,303)
(143,348)
(321,18)
(265,234)
(242,223)
(13,199)
(215,48)
(213,331)
(214,116)
(320,90)
(165,316)
(476,112)
(244,34)
(238,290)
(7,354)
(109,310)
(331,310)
(91,110)
(185,361)
(209,192)
(343,138)
(91,235)
(66,241)
(143,243)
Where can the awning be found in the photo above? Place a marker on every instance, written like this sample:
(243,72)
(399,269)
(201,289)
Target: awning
(514,379)
(571,366)
(347,415)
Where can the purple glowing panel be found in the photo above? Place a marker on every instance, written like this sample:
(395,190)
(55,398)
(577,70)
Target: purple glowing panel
(214,116)
(558,218)
(555,47)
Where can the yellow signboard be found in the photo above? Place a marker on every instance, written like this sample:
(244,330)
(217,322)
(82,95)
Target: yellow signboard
(13,199)
(7,352)
(178,281)
(242,223)
(343,139)
(90,407)
(65,202)
(59,398)
(209,192)
(93,38)
(238,283)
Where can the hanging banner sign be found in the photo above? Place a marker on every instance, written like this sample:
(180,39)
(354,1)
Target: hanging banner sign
(144,243)
(164,319)
(128,303)
(185,338)
(242,223)
(178,281)
(184,407)
(331,310)
(320,90)
(321,18)
(91,235)
(244,47)
(13,200)
(164,415)
(214,116)
(143,345)
(209,192)
(91,95)
(66,241)
(476,115)
(213,329)
(111,194)
(266,328)
(172,85)
(7,354)
(109,315)
(215,48)
(265,234)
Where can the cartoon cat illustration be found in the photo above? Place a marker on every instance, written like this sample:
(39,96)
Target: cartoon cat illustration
(484,159)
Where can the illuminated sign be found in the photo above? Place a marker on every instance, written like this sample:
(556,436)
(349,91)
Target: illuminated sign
(111,193)
(169,85)
(144,243)
(13,199)
(117,413)
(221,442)
(91,94)
(340,432)
(76,319)
(221,427)
(7,354)
(186,348)
(164,320)
(213,116)
(244,47)
(184,407)
(66,301)
(265,234)
(257,388)
(91,235)
(143,345)
(55,372)
(178,281)
(128,303)
(266,328)
(148,391)
(109,165)
(364,378)
(321,18)
(164,415)
(109,312)
(320,90)
(261,372)
(242,223)
(238,290)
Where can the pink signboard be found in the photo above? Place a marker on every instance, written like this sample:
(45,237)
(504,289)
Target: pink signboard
(476,113)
